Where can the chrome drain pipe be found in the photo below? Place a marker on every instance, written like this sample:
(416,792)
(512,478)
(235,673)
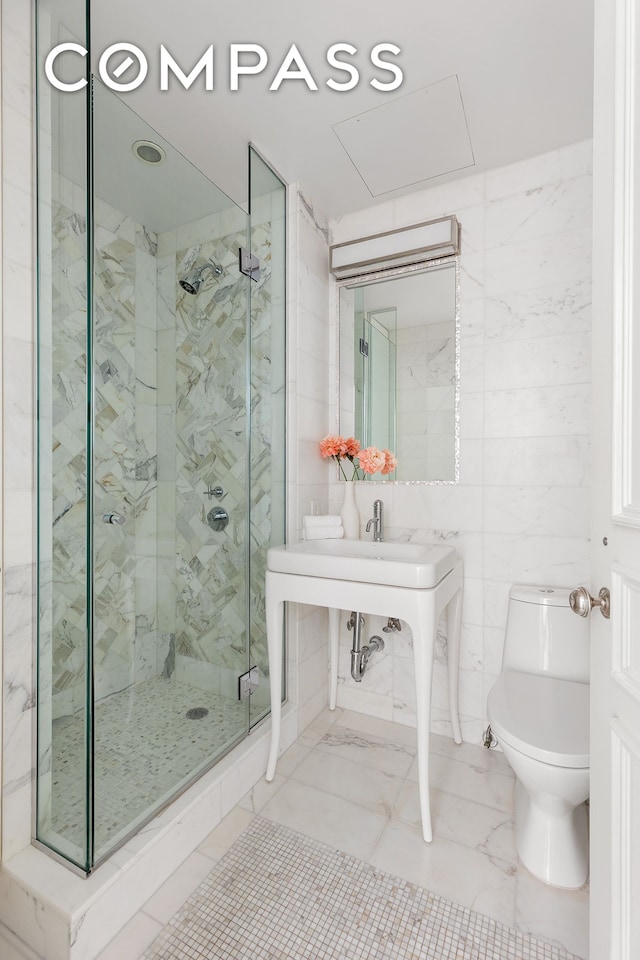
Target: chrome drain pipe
(356,623)
(360,654)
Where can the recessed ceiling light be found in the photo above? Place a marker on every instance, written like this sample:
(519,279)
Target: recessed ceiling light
(148,152)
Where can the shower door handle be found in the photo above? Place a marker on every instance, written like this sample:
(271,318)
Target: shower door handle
(113,518)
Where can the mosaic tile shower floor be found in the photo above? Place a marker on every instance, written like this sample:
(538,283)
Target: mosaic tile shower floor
(278,895)
(145,746)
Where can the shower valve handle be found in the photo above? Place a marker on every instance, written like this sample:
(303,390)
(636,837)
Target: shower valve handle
(217,518)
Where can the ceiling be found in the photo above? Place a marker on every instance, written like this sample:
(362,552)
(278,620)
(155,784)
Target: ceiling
(523,70)
(161,196)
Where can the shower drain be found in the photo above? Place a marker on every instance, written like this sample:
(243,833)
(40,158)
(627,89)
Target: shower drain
(197,713)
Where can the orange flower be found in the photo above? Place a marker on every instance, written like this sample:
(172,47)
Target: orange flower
(390,462)
(371,460)
(333,445)
(352,447)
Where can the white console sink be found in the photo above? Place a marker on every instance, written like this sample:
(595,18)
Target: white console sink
(414,565)
(412,582)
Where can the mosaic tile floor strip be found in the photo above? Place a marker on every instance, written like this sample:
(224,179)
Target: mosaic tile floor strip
(277,895)
(145,746)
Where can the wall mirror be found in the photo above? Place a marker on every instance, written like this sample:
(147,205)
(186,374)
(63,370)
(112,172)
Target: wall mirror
(399,367)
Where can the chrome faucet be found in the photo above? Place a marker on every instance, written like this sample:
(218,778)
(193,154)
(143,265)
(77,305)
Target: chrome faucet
(377,520)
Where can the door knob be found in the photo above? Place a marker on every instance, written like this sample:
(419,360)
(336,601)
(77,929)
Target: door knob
(582,603)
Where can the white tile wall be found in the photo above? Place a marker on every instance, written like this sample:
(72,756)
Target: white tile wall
(18,426)
(521,511)
(308,421)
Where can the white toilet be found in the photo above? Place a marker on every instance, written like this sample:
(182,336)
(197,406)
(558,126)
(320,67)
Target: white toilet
(538,710)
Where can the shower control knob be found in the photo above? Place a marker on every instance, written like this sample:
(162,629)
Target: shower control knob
(217,518)
(582,603)
(113,518)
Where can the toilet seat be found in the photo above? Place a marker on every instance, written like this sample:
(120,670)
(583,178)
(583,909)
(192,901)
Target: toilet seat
(543,717)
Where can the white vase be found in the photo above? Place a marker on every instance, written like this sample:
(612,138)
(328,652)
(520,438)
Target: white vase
(349,514)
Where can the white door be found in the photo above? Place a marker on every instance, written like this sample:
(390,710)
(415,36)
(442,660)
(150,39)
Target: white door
(615,643)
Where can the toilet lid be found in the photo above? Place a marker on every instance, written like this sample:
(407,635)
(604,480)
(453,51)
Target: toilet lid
(543,717)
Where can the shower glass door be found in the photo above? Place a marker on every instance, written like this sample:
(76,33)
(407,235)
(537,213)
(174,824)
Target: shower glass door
(64,568)
(267,493)
(161,469)
(170,471)
(144,465)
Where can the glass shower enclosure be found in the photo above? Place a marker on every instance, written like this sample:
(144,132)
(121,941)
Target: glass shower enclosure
(161,386)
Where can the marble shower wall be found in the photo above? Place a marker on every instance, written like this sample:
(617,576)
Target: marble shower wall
(169,592)
(210,450)
(521,510)
(203,417)
(18,333)
(125,449)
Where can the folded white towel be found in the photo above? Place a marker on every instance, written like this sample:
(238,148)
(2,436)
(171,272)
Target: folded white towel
(328,520)
(323,533)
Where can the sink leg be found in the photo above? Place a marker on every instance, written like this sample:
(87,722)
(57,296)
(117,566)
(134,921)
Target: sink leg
(423,628)
(334,637)
(275,623)
(454,622)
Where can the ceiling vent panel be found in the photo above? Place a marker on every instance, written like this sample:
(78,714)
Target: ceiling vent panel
(414,138)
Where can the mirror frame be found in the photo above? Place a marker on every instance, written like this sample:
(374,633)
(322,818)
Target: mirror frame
(380,275)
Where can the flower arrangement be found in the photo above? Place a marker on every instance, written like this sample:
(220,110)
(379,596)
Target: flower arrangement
(370,460)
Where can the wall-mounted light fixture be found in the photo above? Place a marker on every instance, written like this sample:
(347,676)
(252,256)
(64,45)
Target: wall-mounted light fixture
(396,248)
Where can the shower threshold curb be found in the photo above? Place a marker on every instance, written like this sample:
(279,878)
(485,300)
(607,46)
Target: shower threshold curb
(62,916)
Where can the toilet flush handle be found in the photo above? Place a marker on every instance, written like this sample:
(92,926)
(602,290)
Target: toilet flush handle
(582,603)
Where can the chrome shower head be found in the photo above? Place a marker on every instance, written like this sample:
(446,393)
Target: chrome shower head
(193,281)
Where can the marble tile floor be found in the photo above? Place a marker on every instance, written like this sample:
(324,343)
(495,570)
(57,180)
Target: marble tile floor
(350,781)
(277,893)
(145,747)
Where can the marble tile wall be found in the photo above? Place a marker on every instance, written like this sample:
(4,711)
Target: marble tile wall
(521,510)
(311,345)
(209,349)
(193,388)
(426,356)
(202,406)
(125,448)
(18,683)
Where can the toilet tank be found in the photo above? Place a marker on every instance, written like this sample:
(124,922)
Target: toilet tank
(544,636)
